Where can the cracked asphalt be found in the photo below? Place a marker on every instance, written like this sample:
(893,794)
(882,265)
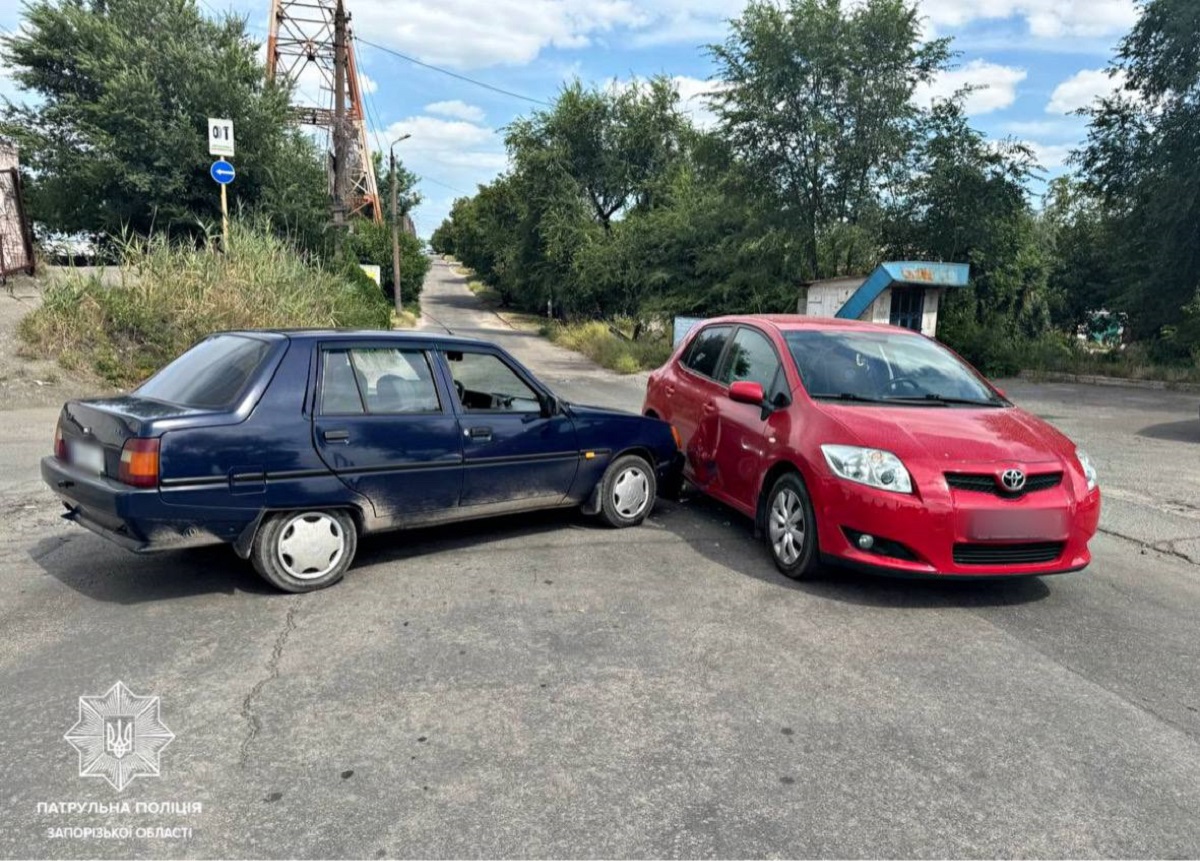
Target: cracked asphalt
(542,686)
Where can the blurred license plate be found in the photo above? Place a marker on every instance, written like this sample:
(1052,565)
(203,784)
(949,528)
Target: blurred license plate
(88,456)
(1019,525)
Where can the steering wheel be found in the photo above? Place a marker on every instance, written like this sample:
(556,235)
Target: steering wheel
(461,389)
(908,384)
(505,402)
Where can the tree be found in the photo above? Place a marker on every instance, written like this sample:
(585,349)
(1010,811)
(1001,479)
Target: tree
(1140,163)
(407,196)
(817,103)
(116,138)
(371,243)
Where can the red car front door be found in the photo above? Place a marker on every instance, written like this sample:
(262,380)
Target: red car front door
(743,437)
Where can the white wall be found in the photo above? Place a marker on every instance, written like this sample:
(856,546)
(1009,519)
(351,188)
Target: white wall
(824,300)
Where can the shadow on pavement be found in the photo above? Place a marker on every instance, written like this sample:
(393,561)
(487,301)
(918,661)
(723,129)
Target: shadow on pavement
(396,546)
(729,541)
(1187,430)
(91,566)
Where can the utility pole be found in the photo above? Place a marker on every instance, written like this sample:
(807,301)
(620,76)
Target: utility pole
(341,147)
(300,43)
(395,223)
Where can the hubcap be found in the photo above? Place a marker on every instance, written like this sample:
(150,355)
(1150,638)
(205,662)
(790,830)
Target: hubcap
(786,526)
(310,545)
(631,492)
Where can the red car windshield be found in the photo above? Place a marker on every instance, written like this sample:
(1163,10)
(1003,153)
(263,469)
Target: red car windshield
(885,367)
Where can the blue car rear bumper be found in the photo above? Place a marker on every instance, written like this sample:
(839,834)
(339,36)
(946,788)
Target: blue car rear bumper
(138,519)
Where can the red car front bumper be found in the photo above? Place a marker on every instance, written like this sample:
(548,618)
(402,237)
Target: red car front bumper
(938,534)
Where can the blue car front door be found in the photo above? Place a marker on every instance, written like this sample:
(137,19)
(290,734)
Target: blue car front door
(384,425)
(517,454)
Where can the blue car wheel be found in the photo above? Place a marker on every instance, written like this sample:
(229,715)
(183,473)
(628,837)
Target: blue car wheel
(627,491)
(301,551)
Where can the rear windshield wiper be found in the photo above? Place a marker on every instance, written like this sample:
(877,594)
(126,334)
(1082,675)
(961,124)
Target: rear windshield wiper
(934,398)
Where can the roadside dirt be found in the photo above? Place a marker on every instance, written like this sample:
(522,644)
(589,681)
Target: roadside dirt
(32,382)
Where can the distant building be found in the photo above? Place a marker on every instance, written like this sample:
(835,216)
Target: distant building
(900,293)
(16,238)
(8,155)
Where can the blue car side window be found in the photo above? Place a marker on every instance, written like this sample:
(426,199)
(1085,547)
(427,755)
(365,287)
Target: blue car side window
(395,381)
(340,394)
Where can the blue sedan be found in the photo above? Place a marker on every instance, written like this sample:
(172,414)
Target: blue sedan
(289,445)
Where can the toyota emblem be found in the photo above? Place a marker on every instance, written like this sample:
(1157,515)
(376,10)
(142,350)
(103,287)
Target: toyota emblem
(1013,480)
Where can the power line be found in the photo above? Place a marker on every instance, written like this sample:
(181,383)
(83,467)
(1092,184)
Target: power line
(477,83)
(443,185)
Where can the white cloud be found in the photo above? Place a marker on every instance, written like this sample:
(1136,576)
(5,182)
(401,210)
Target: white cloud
(472,34)
(997,86)
(366,83)
(456,109)
(1051,156)
(1082,89)
(1048,19)
(452,157)
(693,101)
(1065,128)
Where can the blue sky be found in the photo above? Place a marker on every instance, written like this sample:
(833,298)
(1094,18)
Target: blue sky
(1037,59)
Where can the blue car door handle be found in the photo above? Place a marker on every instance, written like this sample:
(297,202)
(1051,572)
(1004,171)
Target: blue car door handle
(483,433)
(336,436)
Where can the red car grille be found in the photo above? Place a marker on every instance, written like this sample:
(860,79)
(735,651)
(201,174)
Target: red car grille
(1007,554)
(984,483)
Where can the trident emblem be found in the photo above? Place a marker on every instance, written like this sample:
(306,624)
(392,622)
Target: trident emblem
(118,736)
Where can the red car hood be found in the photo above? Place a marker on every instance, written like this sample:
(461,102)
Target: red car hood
(953,434)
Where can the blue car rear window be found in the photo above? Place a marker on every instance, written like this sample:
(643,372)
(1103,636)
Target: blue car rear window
(212,375)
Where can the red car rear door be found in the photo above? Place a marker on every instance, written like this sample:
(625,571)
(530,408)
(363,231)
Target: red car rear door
(695,388)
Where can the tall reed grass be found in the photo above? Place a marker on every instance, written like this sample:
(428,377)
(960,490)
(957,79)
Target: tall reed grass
(164,296)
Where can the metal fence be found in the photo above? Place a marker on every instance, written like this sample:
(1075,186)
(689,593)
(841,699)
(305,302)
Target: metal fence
(16,237)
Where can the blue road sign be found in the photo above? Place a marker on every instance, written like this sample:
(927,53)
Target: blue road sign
(222,171)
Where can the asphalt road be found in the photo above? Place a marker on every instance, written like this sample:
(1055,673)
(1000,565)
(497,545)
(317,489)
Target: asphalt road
(543,686)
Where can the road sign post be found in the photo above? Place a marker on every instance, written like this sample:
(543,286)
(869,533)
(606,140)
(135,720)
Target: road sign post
(223,173)
(220,144)
(220,138)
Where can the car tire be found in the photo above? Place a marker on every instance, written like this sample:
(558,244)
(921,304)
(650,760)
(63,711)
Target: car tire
(627,491)
(302,551)
(790,528)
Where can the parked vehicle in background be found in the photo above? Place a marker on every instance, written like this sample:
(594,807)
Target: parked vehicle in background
(873,446)
(291,444)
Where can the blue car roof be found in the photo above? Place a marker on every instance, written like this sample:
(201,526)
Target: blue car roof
(357,335)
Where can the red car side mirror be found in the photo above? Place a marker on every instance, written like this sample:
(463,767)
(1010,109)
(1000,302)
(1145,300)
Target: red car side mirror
(747,392)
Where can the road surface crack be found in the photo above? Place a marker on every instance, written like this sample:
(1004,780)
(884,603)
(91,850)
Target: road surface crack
(1164,547)
(254,725)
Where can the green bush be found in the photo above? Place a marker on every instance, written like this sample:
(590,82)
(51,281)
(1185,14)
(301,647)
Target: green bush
(167,296)
(372,243)
(597,341)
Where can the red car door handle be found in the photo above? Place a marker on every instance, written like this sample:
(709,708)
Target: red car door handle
(710,407)
(670,390)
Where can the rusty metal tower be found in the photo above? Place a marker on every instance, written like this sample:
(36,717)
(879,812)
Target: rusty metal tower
(310,43)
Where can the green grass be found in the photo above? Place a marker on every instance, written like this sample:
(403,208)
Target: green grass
(596,341)
(169,296)
(1128,364)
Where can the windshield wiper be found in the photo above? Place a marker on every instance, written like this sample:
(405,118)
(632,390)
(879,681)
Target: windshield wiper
(850,396)
(947,401)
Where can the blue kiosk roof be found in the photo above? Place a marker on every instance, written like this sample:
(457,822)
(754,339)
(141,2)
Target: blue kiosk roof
(909,273)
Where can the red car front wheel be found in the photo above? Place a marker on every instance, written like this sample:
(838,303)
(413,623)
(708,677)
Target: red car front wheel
(791,531)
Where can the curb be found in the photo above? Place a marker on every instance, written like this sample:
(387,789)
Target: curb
(1097,380)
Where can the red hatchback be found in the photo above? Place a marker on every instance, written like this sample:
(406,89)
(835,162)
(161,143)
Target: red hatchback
(873,446)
